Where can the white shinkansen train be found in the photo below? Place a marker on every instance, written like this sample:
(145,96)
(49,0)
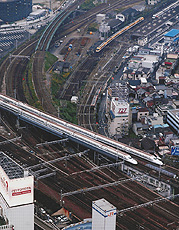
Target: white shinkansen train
(80,130)
(52,124)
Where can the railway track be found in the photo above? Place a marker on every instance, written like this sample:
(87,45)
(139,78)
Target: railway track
(120,195)
(74,175)
(14,87)
(90,16)
(42,92)
(10,81)
(99,78)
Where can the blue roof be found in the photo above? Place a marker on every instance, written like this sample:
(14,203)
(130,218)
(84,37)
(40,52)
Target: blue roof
(172,33)
(79,226)
(161,126)
(165,125)
(176,39)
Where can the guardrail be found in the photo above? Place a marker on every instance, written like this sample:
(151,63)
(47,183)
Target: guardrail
(56,30)
(47,29)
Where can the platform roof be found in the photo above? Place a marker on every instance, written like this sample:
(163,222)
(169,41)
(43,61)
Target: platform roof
(172,33)
(10,167)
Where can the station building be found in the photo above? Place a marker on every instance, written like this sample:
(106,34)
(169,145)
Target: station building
(14,10)
(16,195)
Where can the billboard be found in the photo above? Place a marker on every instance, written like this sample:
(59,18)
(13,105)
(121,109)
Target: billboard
(175,150)
(120,108)
(17,191)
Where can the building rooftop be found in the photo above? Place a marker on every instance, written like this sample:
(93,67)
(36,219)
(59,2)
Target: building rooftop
(166,107)
(119,90)
(172,33)
(10,167)
(175,112)
(103,205)
(37,12)
(134,82)
(114,23)
(86,224)
(143,110)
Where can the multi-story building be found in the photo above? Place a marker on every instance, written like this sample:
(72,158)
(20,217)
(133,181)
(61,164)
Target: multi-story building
(173,119)
(103,215)
(143,112)
(155,119)
(162,110)
(120,117)
(14,10)
(171,35)
(16,194)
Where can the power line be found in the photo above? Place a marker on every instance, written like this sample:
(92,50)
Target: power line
(58,159)
(150,203)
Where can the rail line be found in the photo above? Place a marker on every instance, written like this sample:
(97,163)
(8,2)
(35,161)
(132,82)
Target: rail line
(110,39)
(74,132)
(157,217)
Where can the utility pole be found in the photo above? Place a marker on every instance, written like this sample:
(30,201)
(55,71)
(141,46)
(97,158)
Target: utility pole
(50,5)
(58,112)
(15,93)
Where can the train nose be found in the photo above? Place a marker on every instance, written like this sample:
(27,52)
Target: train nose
(135,162)
(159,162)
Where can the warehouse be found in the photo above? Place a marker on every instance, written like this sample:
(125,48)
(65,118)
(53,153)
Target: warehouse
(37,14)
(171,35)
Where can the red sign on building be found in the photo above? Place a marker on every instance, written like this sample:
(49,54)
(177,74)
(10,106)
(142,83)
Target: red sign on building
(122,110)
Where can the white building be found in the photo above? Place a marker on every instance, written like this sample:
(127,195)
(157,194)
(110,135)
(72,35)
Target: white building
(16,194)
(143,112)
(37,14)
(120,119)
(153,2)
(155,120)
(100,18)
(173,119)
(103,215)
(119,124)
(104,29)
(142,41)
(150,61)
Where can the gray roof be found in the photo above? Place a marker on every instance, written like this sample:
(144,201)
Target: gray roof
(147,99)
(10,167)
(141,91)
(138,124)
(160,87)
(114,23)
